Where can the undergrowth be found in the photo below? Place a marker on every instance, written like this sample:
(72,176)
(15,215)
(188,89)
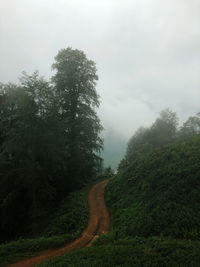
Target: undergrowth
(132,252)
(155,217)
(67,223)
(158,195)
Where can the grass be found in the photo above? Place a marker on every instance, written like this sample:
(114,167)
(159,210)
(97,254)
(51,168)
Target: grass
(67,223)
(155,217)
(158,195)
(132,252)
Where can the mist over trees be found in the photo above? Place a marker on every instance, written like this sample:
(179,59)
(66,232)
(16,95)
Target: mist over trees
(155,195)
(165,130)
(49,141)
(75,82)
(159,180)
(191,126)
(114,148)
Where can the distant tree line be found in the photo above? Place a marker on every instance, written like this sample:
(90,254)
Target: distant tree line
(156,190)
(163,131)
(49,141)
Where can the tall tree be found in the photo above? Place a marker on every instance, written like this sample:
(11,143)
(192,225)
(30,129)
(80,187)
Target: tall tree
(32,156)
(75,82)
(49,141)
(191,126)
(163,131)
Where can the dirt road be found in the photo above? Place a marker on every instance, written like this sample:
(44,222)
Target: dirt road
(98,224)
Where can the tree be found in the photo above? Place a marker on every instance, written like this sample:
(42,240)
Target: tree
(164,130)
(75,81)
(32,155)
(191,126)
(49,141)
(138,144)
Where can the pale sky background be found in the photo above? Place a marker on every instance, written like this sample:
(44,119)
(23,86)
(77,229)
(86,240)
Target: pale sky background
(147,52)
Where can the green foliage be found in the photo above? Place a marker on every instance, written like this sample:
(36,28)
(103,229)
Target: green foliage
(71,217)
(24,248)
(31,156)
(49,142)
(154,207)
(191,126)
(159,193)
(75,82)
(163,131)
(154,204)
(64,225)
(133,252)
(108,172)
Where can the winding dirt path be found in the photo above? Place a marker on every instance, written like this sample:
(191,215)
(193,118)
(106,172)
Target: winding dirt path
(98,223)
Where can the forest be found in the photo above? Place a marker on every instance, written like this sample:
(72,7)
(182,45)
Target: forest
(50,155)
(153,201)
(49,142)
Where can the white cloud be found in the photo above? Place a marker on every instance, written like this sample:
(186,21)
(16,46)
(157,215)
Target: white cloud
(147,51)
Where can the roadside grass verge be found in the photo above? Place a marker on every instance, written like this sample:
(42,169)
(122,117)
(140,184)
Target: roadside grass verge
(66,224)
(152,251)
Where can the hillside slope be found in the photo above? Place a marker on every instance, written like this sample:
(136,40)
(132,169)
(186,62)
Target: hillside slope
(65,224)
(159,193)
(155,216)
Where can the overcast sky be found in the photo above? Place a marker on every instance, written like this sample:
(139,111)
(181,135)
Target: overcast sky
(147,51)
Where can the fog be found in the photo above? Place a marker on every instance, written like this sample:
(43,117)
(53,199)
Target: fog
(146,51)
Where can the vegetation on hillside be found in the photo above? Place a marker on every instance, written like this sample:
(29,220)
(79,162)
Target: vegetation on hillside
(158,194)
(50,147)
(146,252)
(153,201)
(49,142)
(64,225)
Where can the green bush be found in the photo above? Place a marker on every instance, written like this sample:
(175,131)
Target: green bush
(132,252)
(159,193)
(66,224)
(16,250)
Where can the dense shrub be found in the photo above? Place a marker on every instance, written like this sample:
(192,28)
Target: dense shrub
(155,217)
(133,252)
(159,193)
(66,224)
